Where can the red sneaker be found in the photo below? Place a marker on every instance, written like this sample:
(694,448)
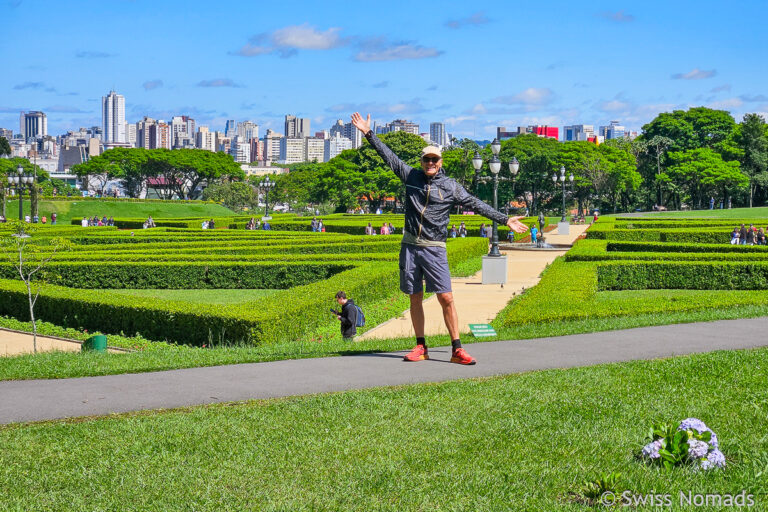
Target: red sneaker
(460,356)
(419,353)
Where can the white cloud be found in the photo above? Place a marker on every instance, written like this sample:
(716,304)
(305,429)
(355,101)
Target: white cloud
(305,37)
(397,51)
(479,109)
(618,16)
(726,104)
(476,19)
(152,84)
(721,88)
(452,121)
(695,74)
(413,106)
(533,96)
(218,82)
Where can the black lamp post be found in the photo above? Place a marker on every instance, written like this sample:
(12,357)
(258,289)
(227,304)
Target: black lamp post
(20,179)
(495,167)
(267,185)
(562,180)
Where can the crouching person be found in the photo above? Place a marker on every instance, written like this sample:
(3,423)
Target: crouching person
(347,316)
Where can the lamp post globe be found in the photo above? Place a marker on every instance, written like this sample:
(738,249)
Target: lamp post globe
(514,166)
(495,147)
(477,161)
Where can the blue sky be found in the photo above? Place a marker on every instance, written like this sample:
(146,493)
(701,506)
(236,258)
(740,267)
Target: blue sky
(473,66)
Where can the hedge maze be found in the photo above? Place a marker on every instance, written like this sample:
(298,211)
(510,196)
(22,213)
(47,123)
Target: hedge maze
(308,269)
(635,266)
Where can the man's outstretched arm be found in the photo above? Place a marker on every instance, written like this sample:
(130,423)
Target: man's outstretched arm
(469,201)
(392,160)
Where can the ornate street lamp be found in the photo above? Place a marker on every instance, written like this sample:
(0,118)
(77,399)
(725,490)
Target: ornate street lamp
(495,166)
(267,185)
(562,181)
(20,179)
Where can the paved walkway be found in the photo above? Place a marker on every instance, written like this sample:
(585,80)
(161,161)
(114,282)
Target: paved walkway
(479,303)
(22,401)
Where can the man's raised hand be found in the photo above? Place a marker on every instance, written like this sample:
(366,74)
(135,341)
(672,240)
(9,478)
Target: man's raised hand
(364,125)
(515,225)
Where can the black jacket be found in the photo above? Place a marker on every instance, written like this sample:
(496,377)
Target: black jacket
(429,201)
(348,319)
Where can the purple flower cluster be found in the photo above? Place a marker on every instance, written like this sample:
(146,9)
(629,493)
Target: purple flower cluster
(707,455)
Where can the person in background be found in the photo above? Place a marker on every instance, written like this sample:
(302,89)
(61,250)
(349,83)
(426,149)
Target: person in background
(369,229)
(751,235)
(313,225)
(483,233)
(735,236)
(347,316)
(534,233)
(760,237)
(453,233)
(266,226)
(462,230)
(84,222)
(391,229)
(44,219)
(211,224)
(320,226)
(53,219)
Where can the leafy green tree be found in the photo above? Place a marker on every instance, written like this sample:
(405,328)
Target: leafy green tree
(698,127)
(10,166)
(129,165)
(457,161)
(235,195)
(379,182)
(5,147)
(538,161)
(702,172)
(184,170)
(754,143)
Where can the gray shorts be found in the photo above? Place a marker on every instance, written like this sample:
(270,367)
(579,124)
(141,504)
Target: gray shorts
(428,264)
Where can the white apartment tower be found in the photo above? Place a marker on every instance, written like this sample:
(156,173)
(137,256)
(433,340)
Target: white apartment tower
(296,126)
(437,134)
(248,130)
(113,117)
(33,125)
(205,139)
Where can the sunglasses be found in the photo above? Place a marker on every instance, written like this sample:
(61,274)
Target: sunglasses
(431,159)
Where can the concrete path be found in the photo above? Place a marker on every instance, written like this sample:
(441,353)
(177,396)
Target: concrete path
(480,303)
(22,401)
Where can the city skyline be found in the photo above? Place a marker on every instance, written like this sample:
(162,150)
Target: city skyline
(474,70)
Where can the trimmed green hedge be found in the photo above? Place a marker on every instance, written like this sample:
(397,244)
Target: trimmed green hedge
(644,275)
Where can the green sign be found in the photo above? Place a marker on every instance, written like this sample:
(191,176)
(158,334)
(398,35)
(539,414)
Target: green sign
(481,330)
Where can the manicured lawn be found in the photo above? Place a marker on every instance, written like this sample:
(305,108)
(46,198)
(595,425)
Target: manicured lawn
(201,296)
(733,213)
(521,442)
(67,210)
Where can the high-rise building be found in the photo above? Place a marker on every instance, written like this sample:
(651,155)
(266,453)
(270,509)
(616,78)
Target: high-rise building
(240,149)
(315,149)
(230,129)
(130,133)
(296,126)
(348,131)
(293,150)
(401,125)
(205,139)
(272,146)
(143,133)
(612,131)
(33,124)
(160,135)
(335,145)
(113,117)
(183,131)
(257,150)
(578,132)
(248,130)
(7,133)
(437,134)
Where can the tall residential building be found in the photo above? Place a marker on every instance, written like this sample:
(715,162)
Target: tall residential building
(130,134)
(33,124)
(335,145)
(578,132)
(183,131)
(248,130)
(230,129)
(348,131)
(257,150)
(437,134)
(113,117)
(612,131)
(205,139)
(7,133)
(550,132)
(272,146)
(160,135)
(293,150)
(240,149)
(315,149)
(143,133)
(401,125)
(296,126)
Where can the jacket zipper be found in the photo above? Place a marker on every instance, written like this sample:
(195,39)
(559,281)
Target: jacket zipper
(426,202)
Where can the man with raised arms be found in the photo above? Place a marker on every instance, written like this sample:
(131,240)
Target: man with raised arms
(430,195)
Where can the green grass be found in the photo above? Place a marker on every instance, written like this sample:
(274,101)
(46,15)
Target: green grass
(66,210)
(734,213)
(520,442)
(200,296)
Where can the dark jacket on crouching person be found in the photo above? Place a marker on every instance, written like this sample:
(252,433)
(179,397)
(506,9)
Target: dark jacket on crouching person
(348,319)
(429,201)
